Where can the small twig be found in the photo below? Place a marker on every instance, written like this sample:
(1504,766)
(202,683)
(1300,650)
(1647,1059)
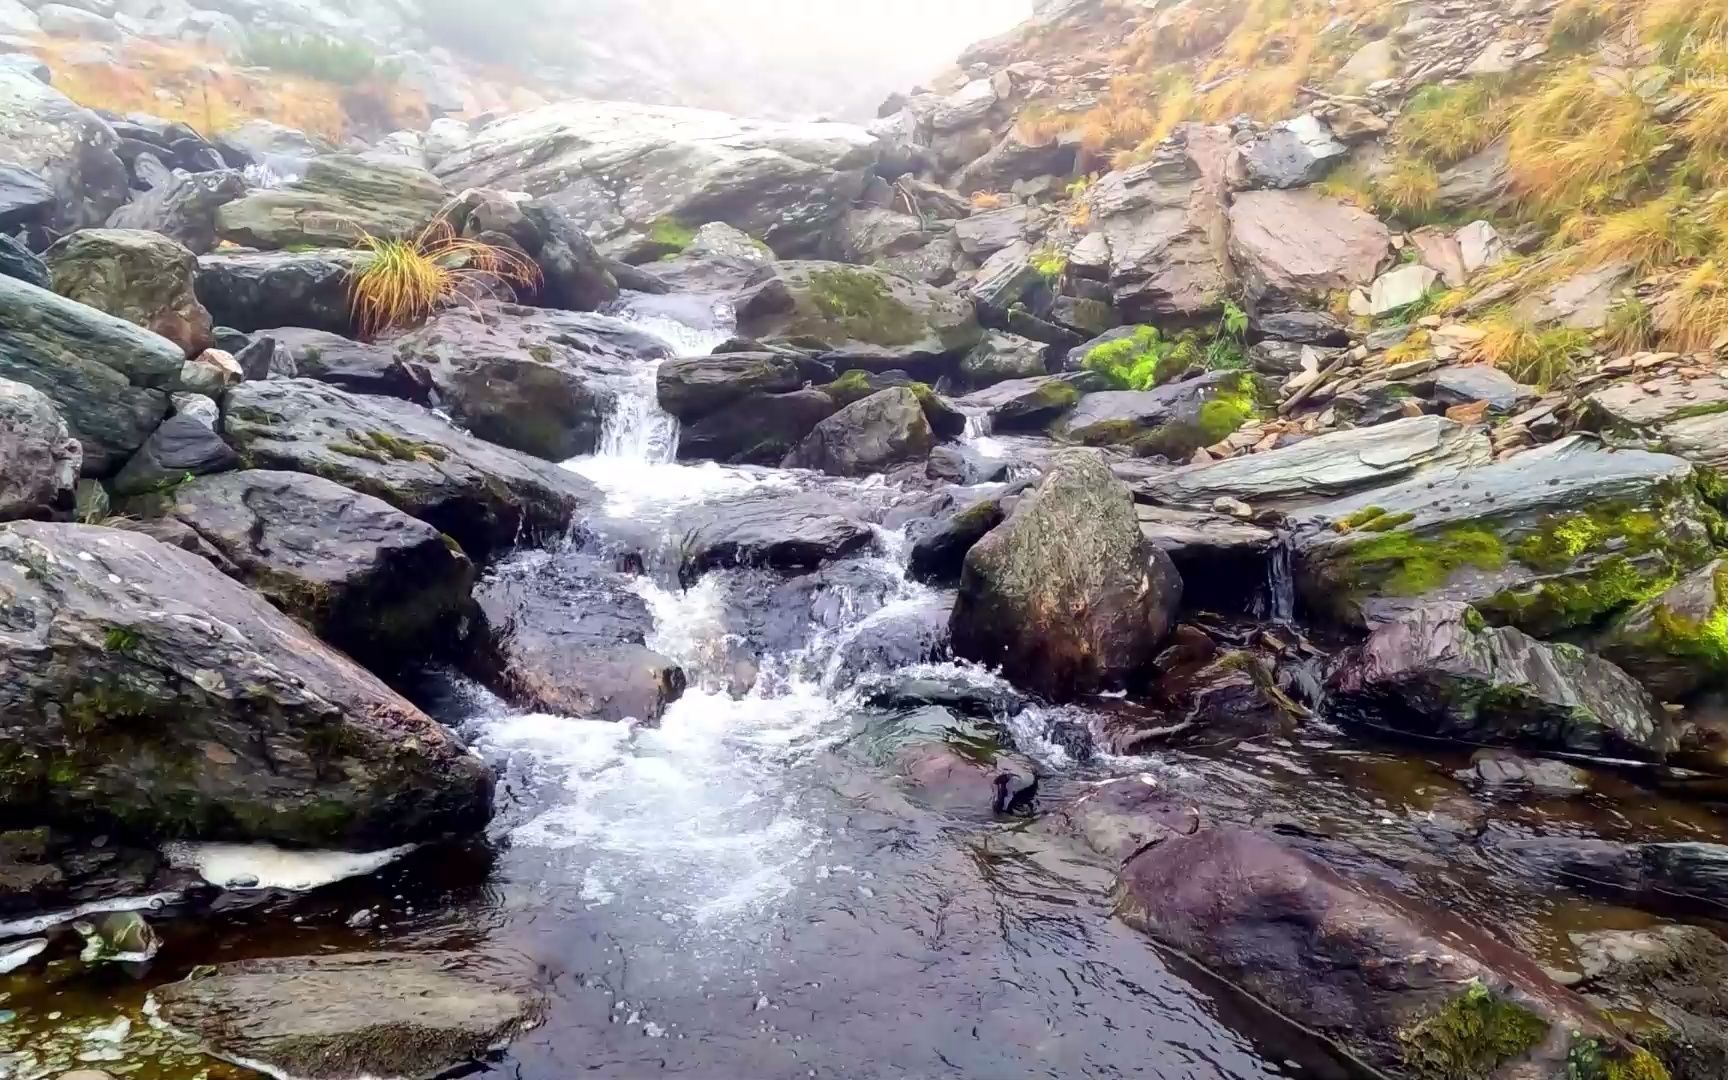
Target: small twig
(1319,380)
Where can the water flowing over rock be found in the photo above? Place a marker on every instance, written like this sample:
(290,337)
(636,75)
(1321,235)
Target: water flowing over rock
(1021,404)
(1553,538)
(627,170)
(483,495)
(880,431)
(109,378)
(865,316)
(68,147)
(759,429)
(1441,672)
(358,1014)
(279,288)
(142,277)
(339,199)
(360,574)
(42,458)
(568,637)
(1066,596)
(182,704)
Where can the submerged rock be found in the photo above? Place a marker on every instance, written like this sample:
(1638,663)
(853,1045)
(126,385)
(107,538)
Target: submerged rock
(1660,877)
(357,1014)
(1441,672)
(868,436)
(145,691)
(1067,596)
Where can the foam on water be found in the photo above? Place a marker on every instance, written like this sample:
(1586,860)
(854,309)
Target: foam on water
(265,866)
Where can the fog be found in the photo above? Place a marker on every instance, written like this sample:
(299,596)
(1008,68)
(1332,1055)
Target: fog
(778,58)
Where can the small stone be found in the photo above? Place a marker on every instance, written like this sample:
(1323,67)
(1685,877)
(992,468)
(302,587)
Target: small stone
(1236,508)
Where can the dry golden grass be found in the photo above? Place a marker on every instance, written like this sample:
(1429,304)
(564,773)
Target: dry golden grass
(1679,25)
(1409,188)
(1693,313)
(1659,233)
(1349,183)
(1537,357)
(400,282)
(986,200)
(1705,127)
(1580,143)
(1631,327)
(1447,125)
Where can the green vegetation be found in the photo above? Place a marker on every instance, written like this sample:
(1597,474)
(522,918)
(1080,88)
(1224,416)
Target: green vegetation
(858,304)
(1538,357)
(121,640)
(1050,263)
(672,235)
(344,63)
(1471,1036)
(1146,358)
(383,447)
(1588,1061)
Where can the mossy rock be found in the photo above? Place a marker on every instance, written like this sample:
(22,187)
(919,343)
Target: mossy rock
(867,314)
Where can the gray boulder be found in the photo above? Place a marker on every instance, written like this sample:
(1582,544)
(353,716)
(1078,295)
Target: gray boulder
(485,496)
(1441,672)
(1003,356)
(987,232)
(18,261)
(183,209)
(1293,248)
(867,436)
(629,171)
(783,532)
(148,692)
(27,201)
(1066,596)
(335,1017)
(339,198)
(42,458)
(864,315)
(572,273)
(1173,420)
(1471,383)
(183,446)
(142,277)
(1021,404)
(109,378)
(1293,154)
(758,429)
(358,367)
(697,386)
(63,145)
(257,291)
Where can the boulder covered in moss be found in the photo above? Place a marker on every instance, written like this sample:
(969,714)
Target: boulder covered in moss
(1676,643)
(1553,539)
(484,496)
(1407,989)
(1441,672)
(339,199)
(1066,596)
(1674,975)
(142,277)
(146,693)
(369,579)
(862,315)
(1172,420)
(887,428)
(1028,404)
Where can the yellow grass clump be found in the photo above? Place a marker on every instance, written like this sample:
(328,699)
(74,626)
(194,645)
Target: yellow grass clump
(1693,314)
(1581,142)
(399,282)
(1538,357)
(1659,233)
(1445,125)
(1677,26)
(1409,188)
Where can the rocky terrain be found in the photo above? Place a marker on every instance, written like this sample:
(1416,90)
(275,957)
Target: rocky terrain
(1247,472)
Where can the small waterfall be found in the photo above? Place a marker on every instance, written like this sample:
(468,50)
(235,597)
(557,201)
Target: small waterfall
(1277,599)
(977,425)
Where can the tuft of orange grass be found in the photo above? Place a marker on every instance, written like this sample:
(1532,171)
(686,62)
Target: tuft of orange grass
(986,200)
(1693,314)
(1676,26)
(1410,188)
(1579,142)
(1537,357)
(1659,233)
(401,282)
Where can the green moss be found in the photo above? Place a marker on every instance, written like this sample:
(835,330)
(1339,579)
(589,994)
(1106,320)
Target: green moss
(120,640)
(860,306)
(1473,621)
(1049,262)
(1589,1060)
(1559,541)
(671,233)
(542,353)
(1358,519)
(1388,522)
(1220,417)
(383,447)
(1677,634)
(1140,361)
(355,450)
(852,386)
(1553,604)
(1471,1036)
(1406,564)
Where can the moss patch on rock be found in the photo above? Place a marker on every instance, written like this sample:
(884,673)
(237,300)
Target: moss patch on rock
(1589,1060)
(1408,564)
(862,307)
(1470,1036)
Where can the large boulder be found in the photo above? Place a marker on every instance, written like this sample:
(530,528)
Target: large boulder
(1676,643)
(1441,672)
(573,274)
(68,147)
(867,436)
(640,176)
(362,575)
(1407,989)
(1293,248)
(359,367)
(1020,404)
(1323,467)
(259,290)
(142,277)
(339,199)
(1553,538)
(42,458)
(144,691)
(866,316)
(1173,420)
(18,261)
(1066,596)
(1675,974)
(1292,154)
(27,201)
(109,378)
(567,636)
(485,496)
(1688,417)
(335,1017)
(697,386)
(782,532)
(183,446)
(1000,357)
(533,380)
(759,429)
(1163,222)
(183,210)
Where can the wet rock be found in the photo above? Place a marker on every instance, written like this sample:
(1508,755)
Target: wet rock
(1390,980)
(1233,696)
(1292,154)
(354,366)
(1003,281)
(18,261)
(569,637)
(183,704)
(108,377)
(1027,404)
(1556,537)
(896,637)
(696,386)
(27,201)
(1471,383)
(1479,184)
(1661,877)
(1224,561)
(961,773)
(49,140)
(1015,158)
(783,532)
(867,316)
(1673,974)
(870,233)
(183,209)
(867,436)
(1322,467)
(1508,775)
(629,171)
(1293,248)
(365,577)
(338,199)
(966,696)
(180,448)
(758,430)
(1066,596)
(983,234)
(124,936)
(42,458)
(1440,672)
(485,496)
(1173,420)
(279,288)
(285,151)
(1000,357)
(361,1014)
(939,554)
(573,275)
(142,277)
(1163,222)
(1302,328)
(1673,643)
(1687,416)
